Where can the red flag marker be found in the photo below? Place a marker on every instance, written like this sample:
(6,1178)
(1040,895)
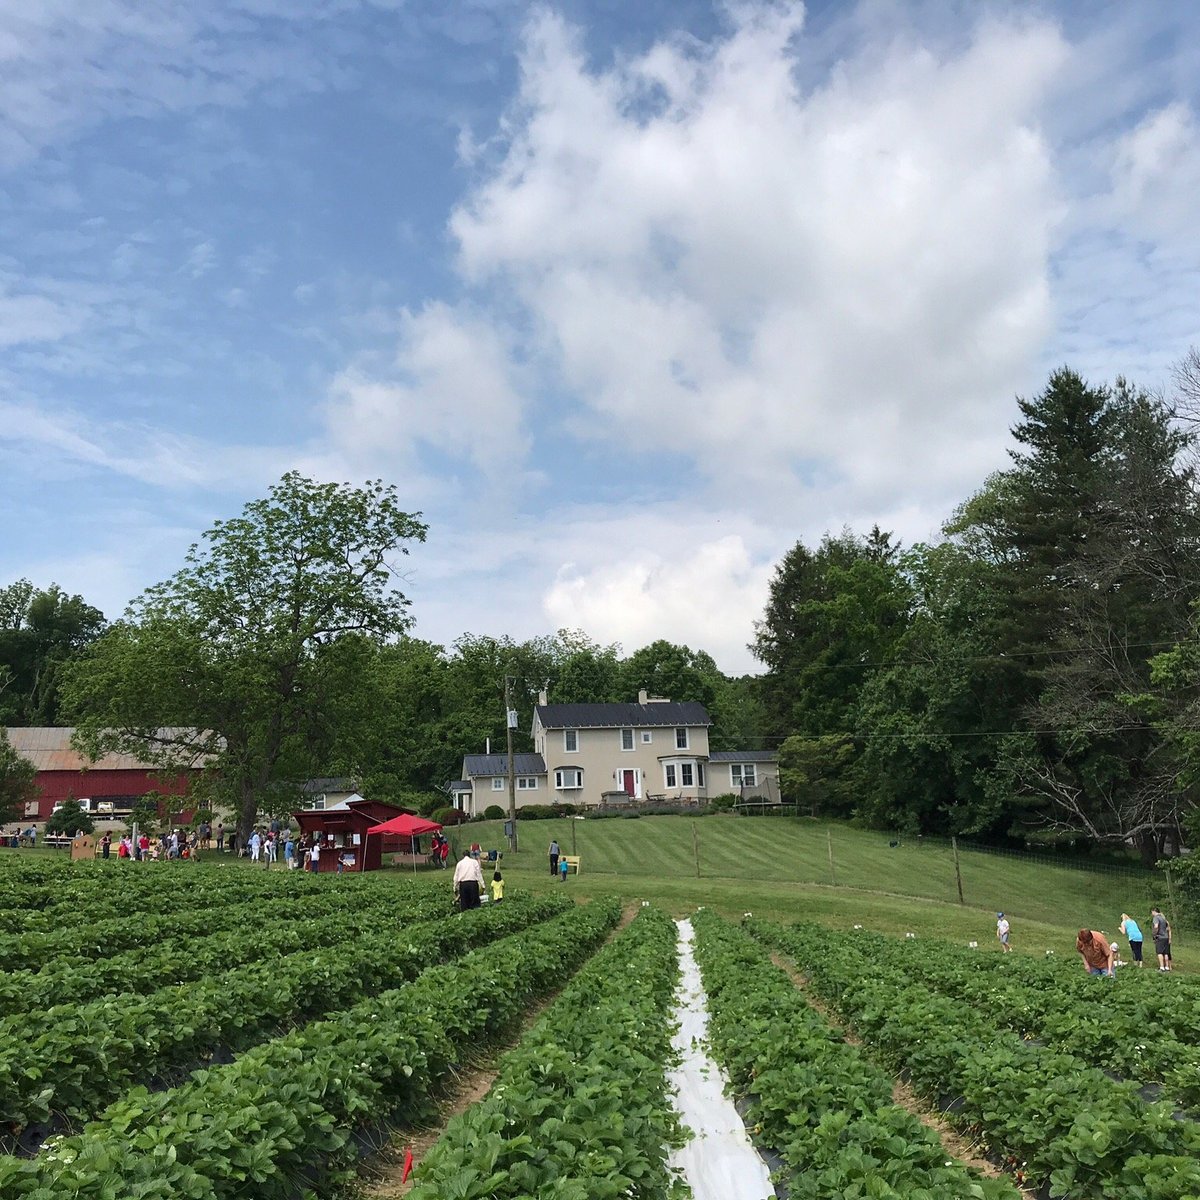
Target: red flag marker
(408,1165)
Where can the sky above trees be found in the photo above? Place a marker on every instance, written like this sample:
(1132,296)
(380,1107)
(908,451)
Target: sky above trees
(624,297)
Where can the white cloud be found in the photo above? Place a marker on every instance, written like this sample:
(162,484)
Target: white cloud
(67,65)
(450,388)
(30,317)
(833,283)
(704,593)
(1156,174)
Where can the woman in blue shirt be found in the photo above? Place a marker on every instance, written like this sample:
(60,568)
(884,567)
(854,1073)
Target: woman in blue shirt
(1130,928)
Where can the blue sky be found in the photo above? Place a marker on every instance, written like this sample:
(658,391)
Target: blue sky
(624,297)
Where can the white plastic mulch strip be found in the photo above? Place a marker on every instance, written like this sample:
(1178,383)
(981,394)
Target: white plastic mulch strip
(719,1161)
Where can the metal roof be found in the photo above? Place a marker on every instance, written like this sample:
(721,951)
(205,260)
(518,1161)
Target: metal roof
(761,756)
(50,749)
(313,786)
(663,713)
(497,764)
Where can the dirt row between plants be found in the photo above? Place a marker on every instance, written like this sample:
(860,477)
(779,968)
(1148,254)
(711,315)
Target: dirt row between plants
(383,1175)
(958,1146)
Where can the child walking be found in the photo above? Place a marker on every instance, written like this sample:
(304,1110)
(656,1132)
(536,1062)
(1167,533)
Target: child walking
(497,888)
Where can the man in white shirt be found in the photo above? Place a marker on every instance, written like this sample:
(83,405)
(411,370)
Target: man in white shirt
(1003,930)
(468,881)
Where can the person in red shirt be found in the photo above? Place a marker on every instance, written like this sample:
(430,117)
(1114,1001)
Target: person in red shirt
(143,847)
(1096,951)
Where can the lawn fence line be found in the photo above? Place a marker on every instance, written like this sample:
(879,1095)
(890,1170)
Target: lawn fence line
(958,860)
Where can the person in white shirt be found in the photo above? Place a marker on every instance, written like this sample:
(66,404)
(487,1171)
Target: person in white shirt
(468,881)
(1002,932)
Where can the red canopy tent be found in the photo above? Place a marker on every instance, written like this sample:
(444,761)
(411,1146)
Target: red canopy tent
(405,825)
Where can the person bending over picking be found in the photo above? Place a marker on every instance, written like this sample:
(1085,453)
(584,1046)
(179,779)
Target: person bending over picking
(1096,951)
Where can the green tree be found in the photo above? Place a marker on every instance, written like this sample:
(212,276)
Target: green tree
(675,672)
(832,616)
(70,819)
(17,776)
(814,773)
(40,631)
(246,659)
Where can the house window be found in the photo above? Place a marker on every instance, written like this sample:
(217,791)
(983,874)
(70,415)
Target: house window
(526,783)
(681,739)
(568,778)
(497,783)
(647,737)
(626,739)
(670,770)
(742,774)
(699,774)
(687,775)
(318,803)
(571,741)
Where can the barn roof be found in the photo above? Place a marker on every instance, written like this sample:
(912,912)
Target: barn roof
(50,749)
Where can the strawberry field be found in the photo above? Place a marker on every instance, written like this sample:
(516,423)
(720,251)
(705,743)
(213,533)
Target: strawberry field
(225,1033)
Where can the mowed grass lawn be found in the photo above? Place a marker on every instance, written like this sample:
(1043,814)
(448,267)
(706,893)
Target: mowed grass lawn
(779,866)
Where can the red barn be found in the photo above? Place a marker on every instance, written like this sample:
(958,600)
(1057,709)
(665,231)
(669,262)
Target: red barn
(111,786)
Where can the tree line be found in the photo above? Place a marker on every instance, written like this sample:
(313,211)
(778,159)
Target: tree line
(1032,674)
(282,651)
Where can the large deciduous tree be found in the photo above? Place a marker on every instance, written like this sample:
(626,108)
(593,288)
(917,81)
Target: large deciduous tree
(248,657)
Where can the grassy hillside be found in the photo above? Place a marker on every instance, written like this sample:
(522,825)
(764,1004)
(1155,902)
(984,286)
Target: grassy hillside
(780,867)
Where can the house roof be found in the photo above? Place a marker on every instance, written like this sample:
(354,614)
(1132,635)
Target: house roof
(50,749)
(312,787)
(757,756)
(663,713)
(497,764)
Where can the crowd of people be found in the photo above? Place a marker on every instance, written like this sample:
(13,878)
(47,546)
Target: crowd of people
(176,843)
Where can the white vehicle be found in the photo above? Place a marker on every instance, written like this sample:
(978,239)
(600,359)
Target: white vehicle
(87,804)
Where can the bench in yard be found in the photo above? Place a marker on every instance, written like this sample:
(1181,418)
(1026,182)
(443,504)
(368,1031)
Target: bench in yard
(572,860)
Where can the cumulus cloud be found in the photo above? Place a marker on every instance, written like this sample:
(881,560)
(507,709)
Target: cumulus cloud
(704,592)
(835,279)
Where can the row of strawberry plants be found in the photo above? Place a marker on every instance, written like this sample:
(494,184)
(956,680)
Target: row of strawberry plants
(66,1064)
(77,902)
(1064,1122)
(823,1107)
(98,939)
(280,1121)
(1147,1031)
(580,1110)
(181,960)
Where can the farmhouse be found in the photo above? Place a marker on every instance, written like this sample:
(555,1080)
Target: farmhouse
(110,786)
(593,754)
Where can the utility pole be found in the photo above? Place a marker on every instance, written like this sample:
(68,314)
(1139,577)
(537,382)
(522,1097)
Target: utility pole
(510,721)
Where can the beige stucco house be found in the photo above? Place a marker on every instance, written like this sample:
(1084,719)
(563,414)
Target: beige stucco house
(613,754)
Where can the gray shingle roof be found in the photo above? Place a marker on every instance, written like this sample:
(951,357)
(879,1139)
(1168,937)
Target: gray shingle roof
(756,756)
(497,764)
(622,716)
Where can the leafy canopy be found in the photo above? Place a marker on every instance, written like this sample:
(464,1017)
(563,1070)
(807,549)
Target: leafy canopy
(248,656)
